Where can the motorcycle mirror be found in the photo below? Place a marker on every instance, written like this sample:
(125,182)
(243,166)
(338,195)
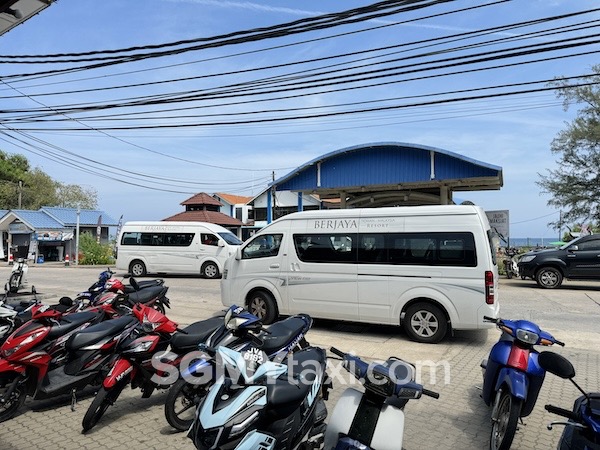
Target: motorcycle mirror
(66,301)
(556,364)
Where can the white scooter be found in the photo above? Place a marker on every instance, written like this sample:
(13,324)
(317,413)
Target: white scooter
(18,275)
(366,420)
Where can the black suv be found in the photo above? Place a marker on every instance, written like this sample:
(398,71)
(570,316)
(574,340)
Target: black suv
(577,260)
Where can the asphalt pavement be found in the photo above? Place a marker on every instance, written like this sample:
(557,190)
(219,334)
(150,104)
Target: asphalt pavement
(458,420)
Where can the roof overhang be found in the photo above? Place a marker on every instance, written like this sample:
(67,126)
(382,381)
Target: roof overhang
(15,12)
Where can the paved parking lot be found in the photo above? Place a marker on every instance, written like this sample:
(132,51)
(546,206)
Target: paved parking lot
(458,420)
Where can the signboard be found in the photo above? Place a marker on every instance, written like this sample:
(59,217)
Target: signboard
(499,223)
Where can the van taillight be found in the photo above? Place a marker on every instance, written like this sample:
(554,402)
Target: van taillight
(489,287)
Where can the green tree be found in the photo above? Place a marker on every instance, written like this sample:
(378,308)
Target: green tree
(35,188)
(575,184)
(73,196)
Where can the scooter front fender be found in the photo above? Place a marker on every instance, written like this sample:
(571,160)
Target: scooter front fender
(516,382)
(120,369)
(9,366)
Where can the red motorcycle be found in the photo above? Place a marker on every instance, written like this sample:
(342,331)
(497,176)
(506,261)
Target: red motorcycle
(153,293)
(134,363)
(31,356)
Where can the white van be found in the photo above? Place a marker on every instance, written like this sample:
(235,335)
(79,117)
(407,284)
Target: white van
(174,247)
(428,268)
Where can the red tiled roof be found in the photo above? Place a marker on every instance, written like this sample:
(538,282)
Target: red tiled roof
(205,216)
(201,199)
(234,199)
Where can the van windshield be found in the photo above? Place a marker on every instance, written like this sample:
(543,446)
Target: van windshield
(230,238)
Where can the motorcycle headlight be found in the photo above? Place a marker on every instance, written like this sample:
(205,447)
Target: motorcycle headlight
(210,438)
(6,353)
(528,258)
(527,336)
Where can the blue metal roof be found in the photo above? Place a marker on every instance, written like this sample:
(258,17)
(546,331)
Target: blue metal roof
(38,220)
(384,163)
(68,216)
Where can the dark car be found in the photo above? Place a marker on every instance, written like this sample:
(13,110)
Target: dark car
(577,260)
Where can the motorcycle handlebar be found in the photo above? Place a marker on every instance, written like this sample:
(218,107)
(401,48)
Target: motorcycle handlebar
(429,393)
(562,412)
(562,344)
(491,319)
(337,352)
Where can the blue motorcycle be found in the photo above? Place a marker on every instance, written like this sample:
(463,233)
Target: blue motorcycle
(582,431)
(513,377)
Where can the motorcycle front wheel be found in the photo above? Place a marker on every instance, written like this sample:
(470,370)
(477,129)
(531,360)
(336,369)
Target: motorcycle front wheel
(102,401)
(14,282)
(181,403)
(504,429)
(10,406)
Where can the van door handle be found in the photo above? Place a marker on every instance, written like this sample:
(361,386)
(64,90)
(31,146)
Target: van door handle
(274,266)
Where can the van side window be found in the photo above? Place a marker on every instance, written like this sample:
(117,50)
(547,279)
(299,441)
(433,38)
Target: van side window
(326,248)
(130,238)
(158,239)
(209,239)
(262,246)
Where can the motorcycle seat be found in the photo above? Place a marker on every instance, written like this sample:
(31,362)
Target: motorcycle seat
(70,322)
(196,333)
(96,333)
(304,366)
(139,285)
(145,295)
(281,334)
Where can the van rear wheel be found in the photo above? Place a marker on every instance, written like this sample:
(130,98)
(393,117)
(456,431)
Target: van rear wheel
(137,268)
(262,305)
(210,270)
(426,323)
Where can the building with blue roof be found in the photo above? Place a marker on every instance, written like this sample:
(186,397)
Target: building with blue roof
(49,232)
(376,175)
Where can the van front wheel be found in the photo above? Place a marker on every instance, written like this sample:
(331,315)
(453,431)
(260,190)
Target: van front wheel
(262,305)
(426,323)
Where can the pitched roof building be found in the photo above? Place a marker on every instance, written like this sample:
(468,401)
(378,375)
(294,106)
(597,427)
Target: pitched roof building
(203,207)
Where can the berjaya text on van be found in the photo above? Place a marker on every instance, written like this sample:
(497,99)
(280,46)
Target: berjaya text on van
(174,247)
(428,268)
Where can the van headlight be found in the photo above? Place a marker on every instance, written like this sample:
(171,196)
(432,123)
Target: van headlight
(526,259)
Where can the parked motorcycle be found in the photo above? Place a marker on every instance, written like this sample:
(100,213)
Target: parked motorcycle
(511,263)
(100,286)
(512,376)
(33,356)
(14,315)
(134,362)
(18,275)
(582,430)
(388,388)
(238,330)
(268,406)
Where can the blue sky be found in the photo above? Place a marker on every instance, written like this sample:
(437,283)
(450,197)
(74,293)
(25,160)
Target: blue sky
(512,132)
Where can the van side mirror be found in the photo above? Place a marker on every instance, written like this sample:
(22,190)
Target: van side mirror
(221,244)
(573,248)
(238,253)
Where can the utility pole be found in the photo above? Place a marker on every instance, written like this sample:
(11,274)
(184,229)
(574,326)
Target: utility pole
(77,238)
(560,225)
(20,190)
